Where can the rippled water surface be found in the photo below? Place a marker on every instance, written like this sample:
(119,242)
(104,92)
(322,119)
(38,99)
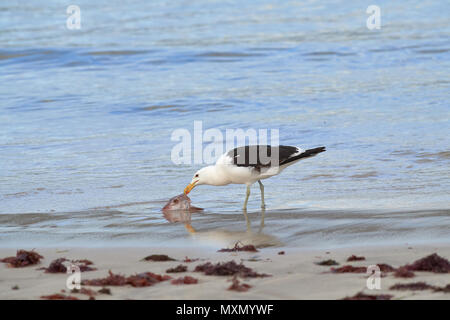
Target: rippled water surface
(86,118)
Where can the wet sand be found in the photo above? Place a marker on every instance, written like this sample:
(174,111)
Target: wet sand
(294,274)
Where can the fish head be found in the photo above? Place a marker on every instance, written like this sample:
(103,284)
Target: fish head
(179,202)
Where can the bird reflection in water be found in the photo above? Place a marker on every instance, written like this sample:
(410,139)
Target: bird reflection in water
(179,209)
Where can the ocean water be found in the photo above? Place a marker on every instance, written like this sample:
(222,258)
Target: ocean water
(86,118)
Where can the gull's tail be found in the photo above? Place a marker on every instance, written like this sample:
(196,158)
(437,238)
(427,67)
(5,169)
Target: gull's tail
(306,154)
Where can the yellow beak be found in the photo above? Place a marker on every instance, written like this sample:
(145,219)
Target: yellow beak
(189,187)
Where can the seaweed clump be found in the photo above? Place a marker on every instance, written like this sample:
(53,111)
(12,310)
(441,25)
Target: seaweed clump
(349,269)
(111,280)
(179,268)
(185,280)
(105,290)
(23,258)
(57,266)
(404,272)
(83,261)
(355,258)
(144,279)
(249,248)
(329,262)
(90,293)
(84,267)
(363,296)
(58,296)
(229,268)
(352,269)
(445,289)
(237,286)
(158,258)
(412,286)
(432,263)
(384,267)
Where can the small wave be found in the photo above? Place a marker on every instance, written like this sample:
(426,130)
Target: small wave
(432,51)
(329,53)
(157,107)
(316,176)
(130,204)
(439,155)
(365,175)
(403,152)
(115,52)
(229,54)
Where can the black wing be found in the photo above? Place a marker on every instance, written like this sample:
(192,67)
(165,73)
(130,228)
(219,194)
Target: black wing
(259,156)
(305,154)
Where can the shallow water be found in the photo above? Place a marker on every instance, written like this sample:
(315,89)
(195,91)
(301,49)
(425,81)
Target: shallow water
(86,118)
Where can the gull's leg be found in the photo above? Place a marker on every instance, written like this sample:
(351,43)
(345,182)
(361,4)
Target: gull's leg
(247,220)
(261,225)
(246,197)
(189,228)
(261,187)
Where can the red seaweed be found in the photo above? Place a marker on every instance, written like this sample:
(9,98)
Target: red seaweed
(185,280)
(349,269)
(328,262)
(249,248)
(179,268)
(432,263)
(412,286)
(229,268)
(105,291)
(355,258)
(385,267)
(111,280)
(84,268)
(144,279)
(237,286)
(445,289)
(57,266)
(363,296)
(23,258)
(58,296)
(158,257)
(90,293)
(403,272)
(83,261)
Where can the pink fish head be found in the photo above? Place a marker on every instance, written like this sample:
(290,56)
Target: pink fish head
(179,202)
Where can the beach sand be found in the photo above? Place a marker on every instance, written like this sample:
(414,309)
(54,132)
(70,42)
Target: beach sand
(294,275)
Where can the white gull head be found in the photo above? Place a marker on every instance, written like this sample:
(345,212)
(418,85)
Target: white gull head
(211,175)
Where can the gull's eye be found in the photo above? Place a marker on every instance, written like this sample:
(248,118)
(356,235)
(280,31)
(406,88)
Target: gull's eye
(196,176)
(175,201)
